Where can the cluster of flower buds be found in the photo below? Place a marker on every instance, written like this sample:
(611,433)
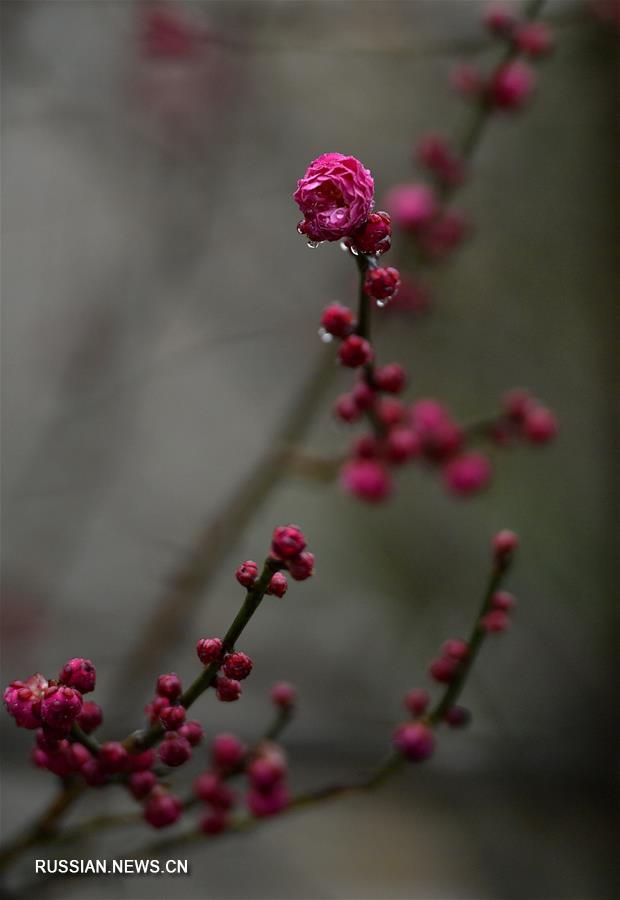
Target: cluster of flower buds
(426,431)
(265,768)
(512,83)
(338,189)
(232,667)
(524,417)
(53,707)
(416,209)
(54,704)
(288,551)
(415,739)
(421,209)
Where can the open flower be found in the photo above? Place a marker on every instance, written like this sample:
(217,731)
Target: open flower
(335,196)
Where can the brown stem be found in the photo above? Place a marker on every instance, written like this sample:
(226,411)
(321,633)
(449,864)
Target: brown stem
(45,826)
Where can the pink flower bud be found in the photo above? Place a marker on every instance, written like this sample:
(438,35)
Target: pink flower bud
(434,152)
(265,772)
(457,717)
(416,701)
(302,567)
(516,403)
(141,783)
(237,665)
(210,788)
(288,541)
(137,762)
(93,774)
(77,756)
(455,648)
(363,395)
(441,437)
(366,479)
(390,411)
(169,686)
(80,674)
(174,750)
(172,717)
(284,694)
(504,545)
(412,205)
(467,474)
(262,805)
(414,740)
(504,601)
(534,39)
(23,701)
(209,650)
(540,425)
(192,731)
(227,689)
(278,585)
(113,757)
(375,235)
(347,409)
(90,716)
(246,573)
(355,351)
(444,234)
(512,86)
(391,378)
(60,706)
(162,810)
(402,444)
(227,751)
(443,669)
(337,320)
(495,621)
(154,708)
(382,283)
(366,447)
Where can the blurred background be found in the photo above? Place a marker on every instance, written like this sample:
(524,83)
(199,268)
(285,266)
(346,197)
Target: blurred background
(159,315)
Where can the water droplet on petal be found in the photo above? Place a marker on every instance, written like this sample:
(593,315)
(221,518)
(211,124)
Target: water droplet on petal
(382,303)
(313,244)
(344,245)
(325,336)
(355,251)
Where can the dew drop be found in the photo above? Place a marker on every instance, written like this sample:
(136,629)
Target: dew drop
(355,251)
(325,336)
(344,246)
(313,244)
(382,303)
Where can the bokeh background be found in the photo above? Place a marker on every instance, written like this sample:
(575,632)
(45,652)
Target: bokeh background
(159,315)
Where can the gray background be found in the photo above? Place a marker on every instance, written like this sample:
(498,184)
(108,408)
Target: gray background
(159,310)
